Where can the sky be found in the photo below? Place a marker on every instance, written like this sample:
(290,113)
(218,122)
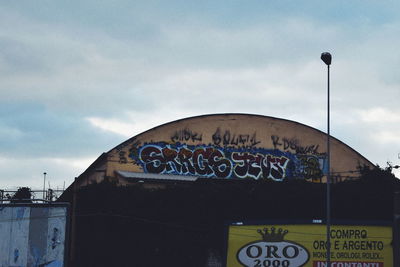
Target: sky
(77,78)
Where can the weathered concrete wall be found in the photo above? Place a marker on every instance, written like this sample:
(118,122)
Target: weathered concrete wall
(32,236)
(235,146)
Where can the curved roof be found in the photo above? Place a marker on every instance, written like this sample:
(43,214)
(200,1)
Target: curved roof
(235,146)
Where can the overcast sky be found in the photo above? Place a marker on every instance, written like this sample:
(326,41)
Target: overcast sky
(79,77)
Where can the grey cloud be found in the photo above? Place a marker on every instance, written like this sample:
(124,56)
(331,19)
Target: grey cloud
(64,61)
(42,132)
(28,171)
(122,16)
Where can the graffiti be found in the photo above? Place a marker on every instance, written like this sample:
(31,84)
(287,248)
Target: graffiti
(122,157)
(311,167)
(293,144)
(206,161)
(55,239)
(228,139)
(210,161)
(266,166)
(16,255)
(133,151)
(186,135)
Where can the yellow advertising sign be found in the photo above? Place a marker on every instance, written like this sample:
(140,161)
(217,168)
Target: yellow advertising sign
(305,245)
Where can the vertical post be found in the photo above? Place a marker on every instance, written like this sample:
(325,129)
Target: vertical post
(396,229)
(44,185)
(327,59)
(72,248)
(328,180)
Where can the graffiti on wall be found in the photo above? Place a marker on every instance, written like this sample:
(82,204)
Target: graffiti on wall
(33,235)
(186,135)
(293,144)
(233,162)
(204,161)
(226,138)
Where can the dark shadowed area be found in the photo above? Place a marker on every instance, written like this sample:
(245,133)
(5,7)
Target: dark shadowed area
(185,223)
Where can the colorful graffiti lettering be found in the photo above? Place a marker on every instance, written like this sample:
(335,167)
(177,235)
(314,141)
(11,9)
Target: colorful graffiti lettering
(207,161)
(256,166)
(311,167)
(210,161)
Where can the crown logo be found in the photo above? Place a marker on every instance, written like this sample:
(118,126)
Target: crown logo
(272,235)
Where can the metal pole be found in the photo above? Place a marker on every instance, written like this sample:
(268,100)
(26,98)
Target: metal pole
(328,181)
(327,59)
(396,229)
(44,185)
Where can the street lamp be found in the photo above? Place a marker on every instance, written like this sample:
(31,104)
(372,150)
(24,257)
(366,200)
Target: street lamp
(327,59)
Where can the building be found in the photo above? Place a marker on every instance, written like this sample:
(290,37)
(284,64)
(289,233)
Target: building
(188,177)
(225,146)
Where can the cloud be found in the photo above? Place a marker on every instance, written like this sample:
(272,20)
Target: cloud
(32,130)
(112,125)
(69,69)
(76,70)
(387,137)
(379,115)
(28,171)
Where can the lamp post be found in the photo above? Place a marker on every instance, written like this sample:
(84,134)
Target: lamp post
(327,59)
(44,185)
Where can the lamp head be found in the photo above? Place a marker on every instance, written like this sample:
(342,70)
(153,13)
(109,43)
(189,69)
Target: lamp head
(327,58)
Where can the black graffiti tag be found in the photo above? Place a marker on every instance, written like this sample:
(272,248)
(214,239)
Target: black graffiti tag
(186,135)
(226,138)
(293,144)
